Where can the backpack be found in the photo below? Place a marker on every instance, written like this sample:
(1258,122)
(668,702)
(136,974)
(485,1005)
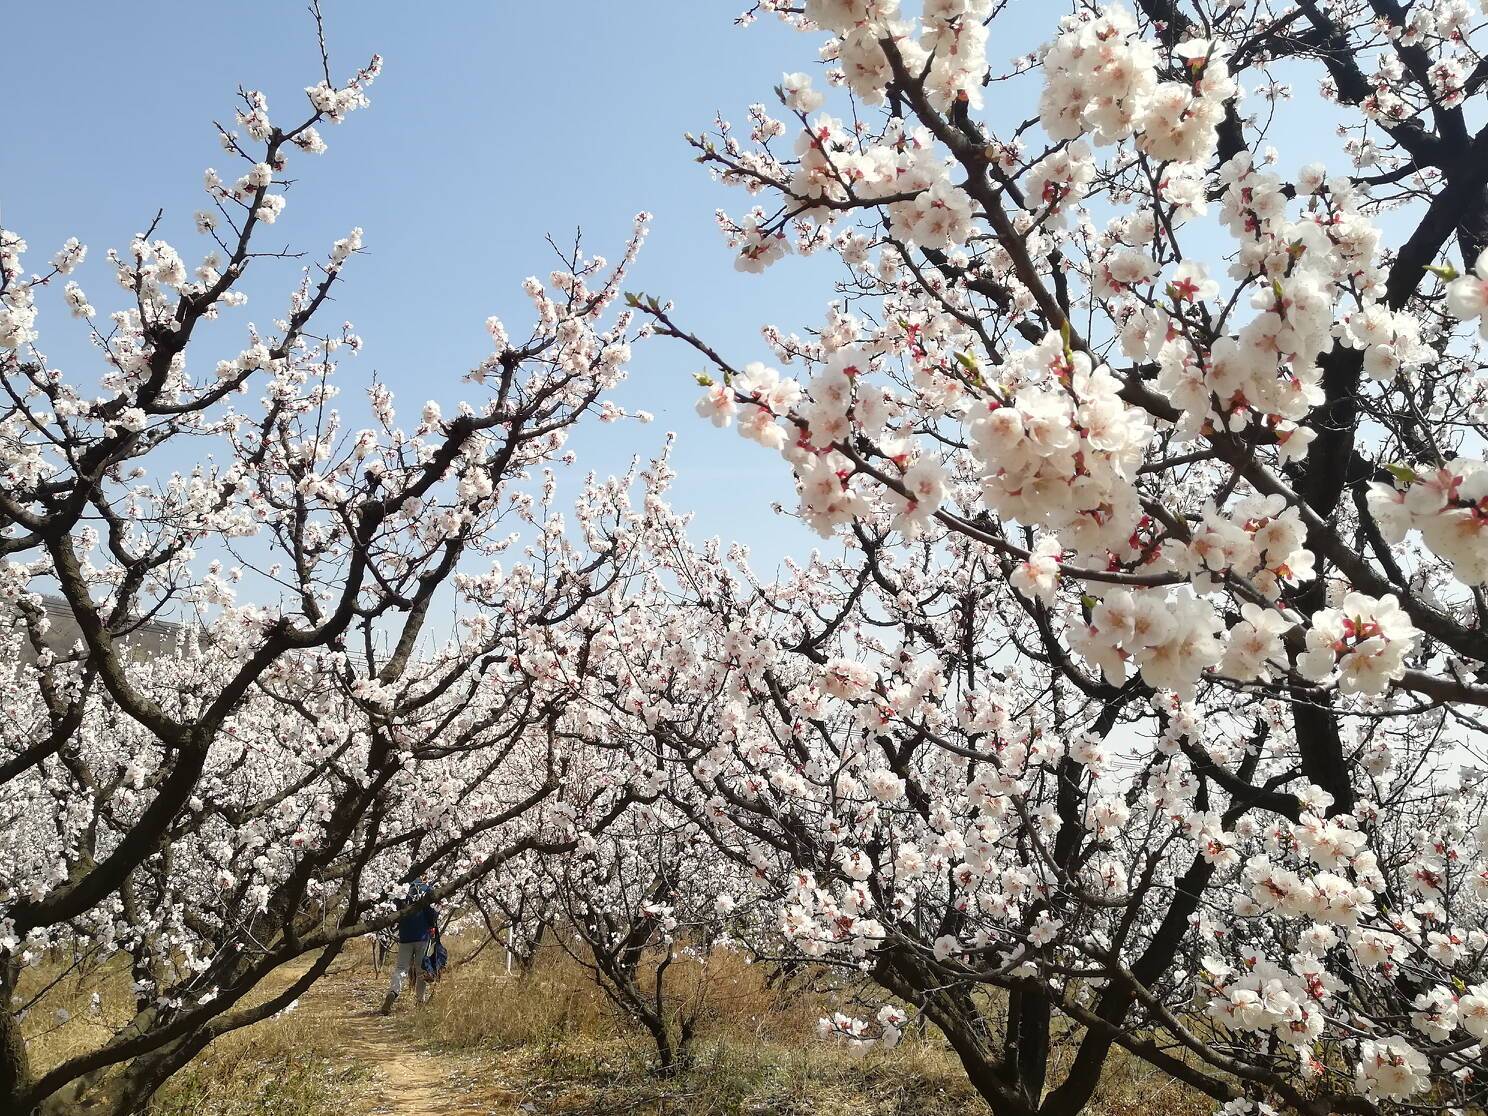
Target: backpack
(435,960)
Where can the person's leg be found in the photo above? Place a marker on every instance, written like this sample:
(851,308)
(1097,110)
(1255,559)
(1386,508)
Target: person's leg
(400,967)
(400,970)
(420,979)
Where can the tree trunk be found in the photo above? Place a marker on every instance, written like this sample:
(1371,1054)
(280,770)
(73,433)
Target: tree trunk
(666,1056)
(1027,1054)
(15,1069)
(124,1090)
(957,1018)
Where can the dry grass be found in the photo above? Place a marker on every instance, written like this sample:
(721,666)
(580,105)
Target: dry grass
(551,1044)
(588,1077)
(69,988)
(289,1065)
(481,1008)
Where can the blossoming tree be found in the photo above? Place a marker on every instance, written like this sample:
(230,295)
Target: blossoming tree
(346,703)
(1149,692)
(639,901)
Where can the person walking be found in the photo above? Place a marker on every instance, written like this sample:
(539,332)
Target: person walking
(416,930)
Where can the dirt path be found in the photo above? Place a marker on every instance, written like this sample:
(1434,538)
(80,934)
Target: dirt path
(409,1081)
(405,1079)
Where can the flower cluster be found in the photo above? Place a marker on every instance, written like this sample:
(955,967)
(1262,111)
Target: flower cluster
(1447,505)
(1367,640)
(1102,79)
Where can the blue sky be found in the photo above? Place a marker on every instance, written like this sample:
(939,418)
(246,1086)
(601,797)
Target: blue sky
(492,125)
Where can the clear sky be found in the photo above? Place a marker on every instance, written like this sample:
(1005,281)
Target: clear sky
(492,125)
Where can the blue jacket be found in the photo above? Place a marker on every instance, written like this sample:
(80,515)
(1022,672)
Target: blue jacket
(419,923)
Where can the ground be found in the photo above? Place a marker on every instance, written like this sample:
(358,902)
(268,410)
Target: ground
(405,1078)
(389,1056)
(491,1045)
(487,1045)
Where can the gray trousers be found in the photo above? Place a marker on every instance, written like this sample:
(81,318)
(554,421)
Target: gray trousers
(410,959)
